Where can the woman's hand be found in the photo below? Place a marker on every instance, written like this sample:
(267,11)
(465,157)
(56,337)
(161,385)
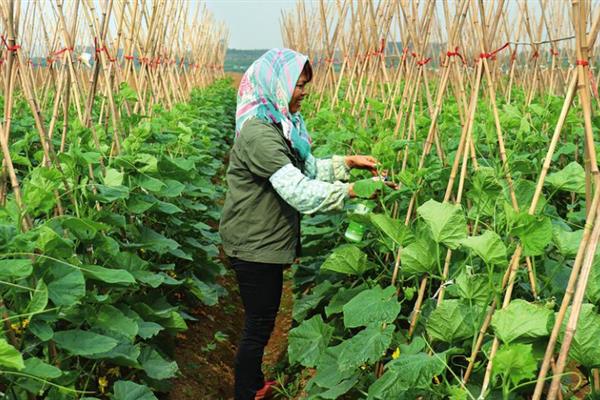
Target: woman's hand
(362,162)
(351,193)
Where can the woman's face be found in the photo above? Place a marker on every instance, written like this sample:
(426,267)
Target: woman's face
(299,93)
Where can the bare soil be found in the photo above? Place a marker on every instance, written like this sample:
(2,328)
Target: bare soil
(206,362)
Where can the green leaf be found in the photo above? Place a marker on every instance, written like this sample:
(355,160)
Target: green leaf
(156,242)
(38,190)
(111,319)
(82,228)
(473,287)
(407,372)
(168,208)
(108,194)
(172,188)
(347,259)
(328,373)
(453,320)
(485,192)
(148,329)
(205,293)
(393,228)
(68,285)
(41,329)
(339,389)
(150,184)
(127,390)
(592,292)
(367,346)
(516,362)
(522,320)
(15,268)
(534,232)
(108,275)
(366,188)
(155,366)
(418,258)
(138,204)
(36,367)
(10,357)
(127,93)
(113,177)
(382,304)
(566,242)
(340,298)
(446,222)
(585,346)
(82,343)
(524,192)
(308,341)
(571,179)
(488,246)
(125,354)
(39,300)
(309,302)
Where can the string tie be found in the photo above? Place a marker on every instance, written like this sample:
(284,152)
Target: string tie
(9,48)
(493,53)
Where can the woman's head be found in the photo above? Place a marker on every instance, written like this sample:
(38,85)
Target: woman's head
(300,90)
(272,89)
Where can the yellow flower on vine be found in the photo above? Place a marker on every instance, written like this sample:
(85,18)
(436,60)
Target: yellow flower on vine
(396,353)
(115,371)
(102,384)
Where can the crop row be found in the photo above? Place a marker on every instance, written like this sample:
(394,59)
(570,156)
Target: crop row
(88,294)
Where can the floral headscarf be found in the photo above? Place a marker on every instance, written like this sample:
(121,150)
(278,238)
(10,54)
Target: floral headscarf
(265,93)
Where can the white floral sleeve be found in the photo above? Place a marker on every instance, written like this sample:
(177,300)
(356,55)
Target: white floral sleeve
(308,195)
(327,169)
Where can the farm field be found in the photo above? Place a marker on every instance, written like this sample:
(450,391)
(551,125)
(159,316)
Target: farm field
(476,277)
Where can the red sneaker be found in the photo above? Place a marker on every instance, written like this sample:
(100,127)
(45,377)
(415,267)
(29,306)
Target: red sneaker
(266,392)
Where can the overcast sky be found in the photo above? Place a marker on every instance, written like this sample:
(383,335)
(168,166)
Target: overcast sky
(253,24)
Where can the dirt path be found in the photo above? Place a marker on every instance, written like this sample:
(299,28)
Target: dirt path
(205,353)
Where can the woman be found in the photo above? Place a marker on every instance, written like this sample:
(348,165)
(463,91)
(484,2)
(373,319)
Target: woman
(272,178)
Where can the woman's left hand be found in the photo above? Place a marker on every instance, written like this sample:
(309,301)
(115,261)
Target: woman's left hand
(362,162)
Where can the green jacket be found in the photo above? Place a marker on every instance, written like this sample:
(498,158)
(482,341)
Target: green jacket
(257,224)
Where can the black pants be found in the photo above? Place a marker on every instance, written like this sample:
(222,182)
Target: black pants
(260,288)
